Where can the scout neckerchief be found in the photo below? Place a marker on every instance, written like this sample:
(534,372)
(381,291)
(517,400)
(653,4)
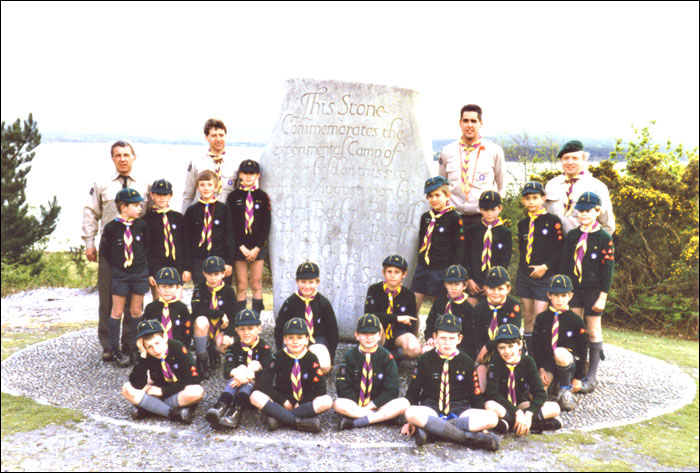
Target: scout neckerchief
(493,325)
(249,211)
(206,227)
(581,247)
(457,300)
(218,159)
(308,314)
(531,232)
(466,149)
(555,327)
(128,241)
(165,319)
(167,371)
(389,332)
(366,381)
(249,349)
(512,397)
(444,401)
(215,325)
(167,232)
(488,239)
(429,233)
(296,374)
(569,206)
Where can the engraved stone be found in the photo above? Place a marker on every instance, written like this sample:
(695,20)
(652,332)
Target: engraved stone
(344,170)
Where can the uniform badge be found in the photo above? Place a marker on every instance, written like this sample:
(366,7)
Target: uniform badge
(230,182)
(257,206)
(177,322)
(441,229)
(482,177)
(305,376)
(189,168)
(187,324)
(516,308)
(544,231)
(460,377)
(174,225)
(92,191)
(583,330)
(391,357)
(491,374)
(216,222)
(272,365)
(138,237)
(342,371)
(569,334)
(184,350)
(319,372)
(316,365)
(221,302)
(316,380)
(229,358)
(505,320)
(594,256)
(500,246)
(512,315)
(380,376)
(176,366)
(403,309)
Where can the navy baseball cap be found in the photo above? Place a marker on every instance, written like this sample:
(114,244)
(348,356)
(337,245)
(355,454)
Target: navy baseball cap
(128,195)
(587,201)
(434,183)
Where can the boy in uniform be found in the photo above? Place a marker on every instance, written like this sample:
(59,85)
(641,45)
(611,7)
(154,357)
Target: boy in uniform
(172,313)
(317,311)
(213,305)
(167,231)
(441,240)
(497,309)
(560,343)
(443,387)
(293,390)
(489,244)
(124,246)
(164,381)
(515,392)
(588,259)
(208,229)
(247,356)
(454,302)
(368,380)
(541,240)
(250,214)
(395,305)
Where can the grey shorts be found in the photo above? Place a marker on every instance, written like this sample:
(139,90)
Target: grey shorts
(586,298)
(532,288)
(428,281)
(124,283)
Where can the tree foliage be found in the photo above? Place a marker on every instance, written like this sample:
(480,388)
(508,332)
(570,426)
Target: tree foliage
(23,232)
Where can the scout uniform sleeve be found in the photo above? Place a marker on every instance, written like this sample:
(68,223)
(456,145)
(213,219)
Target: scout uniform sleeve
(370,302)
(541,342)
(331,330)
(415,388)
(539,395)
(106,246)
(139,375)
(188,237)
(432,317)
(229,237)
(230,359)
(493,392)
(318,382)
(265,355)
(146,241)
(229,308)
(92,213)
(187,374)
(190,187)
(344,379)
(284,315)
(475,394)
(507,251)
(567,254)
(390,389)
(516,310)
(267,379)
(458,239)
(608,263)
(200,305)
(555,245)
(581,349)
(265,217)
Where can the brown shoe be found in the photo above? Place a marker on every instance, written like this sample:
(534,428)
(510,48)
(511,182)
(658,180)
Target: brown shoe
(308,424)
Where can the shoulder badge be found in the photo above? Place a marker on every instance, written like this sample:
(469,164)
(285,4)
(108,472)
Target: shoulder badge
(189,168)
(184,350)
(391,357)
(92,190)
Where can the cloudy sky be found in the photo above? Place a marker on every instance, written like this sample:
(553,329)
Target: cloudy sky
(160,69)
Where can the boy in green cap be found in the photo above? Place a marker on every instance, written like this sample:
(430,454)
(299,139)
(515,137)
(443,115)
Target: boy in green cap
(444,386)
(368,380)
(560,343)
(292,390)
(588,259)
(167,308)
(248,355)
(515,392)
(165,381)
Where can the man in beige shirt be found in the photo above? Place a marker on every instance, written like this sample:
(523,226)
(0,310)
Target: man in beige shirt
(98,212)
(472,165)
(225,167)
(563,191)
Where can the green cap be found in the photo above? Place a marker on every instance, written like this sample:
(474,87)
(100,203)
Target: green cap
(296,326)
(497,276)
(489,200)
(308,270)
(214,264)
(587,201)
(368,323)
(148,327)
(247,317)
(395,260)
(455,273)
(532,187)
(570,147)
(448,323)
(434,183)
(162,187)
(507,332)
(560,284)
(168,276)
(128,195)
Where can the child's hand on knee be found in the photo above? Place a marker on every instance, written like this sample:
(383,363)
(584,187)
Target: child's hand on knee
(408,430)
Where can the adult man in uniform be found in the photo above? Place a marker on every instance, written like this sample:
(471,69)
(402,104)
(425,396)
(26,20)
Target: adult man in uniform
(563,191)
(98,212)
(472,165)
(225,167)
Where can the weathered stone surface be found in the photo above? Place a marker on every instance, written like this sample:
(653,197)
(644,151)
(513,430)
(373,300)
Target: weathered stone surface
(345,171)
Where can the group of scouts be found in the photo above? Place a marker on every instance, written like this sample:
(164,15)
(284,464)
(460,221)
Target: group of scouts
(476,373)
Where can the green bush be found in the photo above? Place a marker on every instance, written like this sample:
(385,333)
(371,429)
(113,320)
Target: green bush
(52,270)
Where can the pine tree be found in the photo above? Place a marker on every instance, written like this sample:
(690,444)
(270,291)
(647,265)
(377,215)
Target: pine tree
(22,232)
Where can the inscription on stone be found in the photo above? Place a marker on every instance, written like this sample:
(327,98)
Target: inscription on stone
(345,170)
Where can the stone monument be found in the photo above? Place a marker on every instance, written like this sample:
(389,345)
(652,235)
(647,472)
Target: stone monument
(344,170)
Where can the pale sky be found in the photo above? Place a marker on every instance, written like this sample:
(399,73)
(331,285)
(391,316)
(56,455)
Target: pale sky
(161,69)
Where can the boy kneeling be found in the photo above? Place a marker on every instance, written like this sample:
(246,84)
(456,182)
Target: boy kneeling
(445,396)
(368,380)
(292,389)
(173,390)
(514,390)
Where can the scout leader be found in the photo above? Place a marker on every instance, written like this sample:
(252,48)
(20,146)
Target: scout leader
(368,380)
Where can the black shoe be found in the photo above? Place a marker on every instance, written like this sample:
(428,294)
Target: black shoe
(346,423)
(308,424)
(587,386)
(215,413)
(272,423)
(138,413)
(552,424)
(107,356)
(214,358)
(120,358)
(203,365)
(502,427)
(482,440)
(232,418)
(184,415)
(421,437)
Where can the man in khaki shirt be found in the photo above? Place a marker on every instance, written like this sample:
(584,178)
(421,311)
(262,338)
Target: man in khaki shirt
(563,191)
(98,212)
(472,166)
(225,167)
